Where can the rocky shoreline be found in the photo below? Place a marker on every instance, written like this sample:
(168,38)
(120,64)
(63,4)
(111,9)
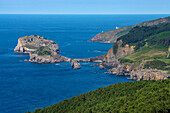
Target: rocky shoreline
(136,71)
(42,50)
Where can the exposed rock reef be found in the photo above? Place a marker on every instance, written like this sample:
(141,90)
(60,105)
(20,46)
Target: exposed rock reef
(112,35)
(40,49)
(75,64)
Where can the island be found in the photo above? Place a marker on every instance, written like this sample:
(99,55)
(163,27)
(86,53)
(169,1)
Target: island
(40,49)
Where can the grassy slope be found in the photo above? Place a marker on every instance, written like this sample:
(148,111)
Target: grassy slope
(137,97)
(148,53)
(116,33)
(151,52)
(162,35)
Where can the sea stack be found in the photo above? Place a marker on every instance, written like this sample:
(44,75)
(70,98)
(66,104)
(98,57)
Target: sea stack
(75,64)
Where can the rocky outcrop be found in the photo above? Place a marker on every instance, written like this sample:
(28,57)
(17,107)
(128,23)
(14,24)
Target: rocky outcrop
(149,74)
(75,64)
(101,67)
(112,35)
(137,72)
(111,59)
(124,69)
(40,49)
(31,43)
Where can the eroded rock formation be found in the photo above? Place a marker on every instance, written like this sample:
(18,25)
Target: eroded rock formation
(111,59)
(40,49)
(75,64)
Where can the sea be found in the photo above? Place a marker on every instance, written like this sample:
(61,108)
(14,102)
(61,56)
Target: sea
(26,86)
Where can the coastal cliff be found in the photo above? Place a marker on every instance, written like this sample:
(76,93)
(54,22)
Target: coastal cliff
(40,49)
(112,35)
(143,53)
(116,52)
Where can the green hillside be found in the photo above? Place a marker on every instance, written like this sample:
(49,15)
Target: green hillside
(155,48)
(135,97)
(112,35)
(140,34)
(151,44)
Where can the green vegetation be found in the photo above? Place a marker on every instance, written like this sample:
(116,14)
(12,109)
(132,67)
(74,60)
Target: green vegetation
(123,32)
(138,33)
(130,97)
(162,35)
(152,44)
(43,51)
(155,64)
(147,53)
(124,60)
(112,35)
(115,47)
(168,56)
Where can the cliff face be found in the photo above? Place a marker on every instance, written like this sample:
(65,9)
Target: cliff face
(135,70)
(112,35)
(40,49)
(148,74)
(31,43)
(111,59)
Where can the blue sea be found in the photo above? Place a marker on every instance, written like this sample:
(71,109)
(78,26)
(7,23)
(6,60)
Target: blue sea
(27,86)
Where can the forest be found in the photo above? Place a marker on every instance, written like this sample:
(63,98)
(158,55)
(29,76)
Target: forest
(136,97)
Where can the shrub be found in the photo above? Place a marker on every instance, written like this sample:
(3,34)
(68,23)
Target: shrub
(43,51)
(115,48)
(124,60)
(155,64)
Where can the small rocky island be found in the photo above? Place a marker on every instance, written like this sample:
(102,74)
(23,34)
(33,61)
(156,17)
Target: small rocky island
(40,49)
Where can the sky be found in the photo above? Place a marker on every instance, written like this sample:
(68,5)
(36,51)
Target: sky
(84,6)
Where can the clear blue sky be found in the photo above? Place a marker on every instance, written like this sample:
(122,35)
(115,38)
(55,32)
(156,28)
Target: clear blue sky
(84,6)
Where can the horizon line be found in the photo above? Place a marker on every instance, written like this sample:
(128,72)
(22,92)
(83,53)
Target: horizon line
(85,14)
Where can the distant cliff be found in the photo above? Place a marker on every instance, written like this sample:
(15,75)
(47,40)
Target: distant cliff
(112,35)
(40,49)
